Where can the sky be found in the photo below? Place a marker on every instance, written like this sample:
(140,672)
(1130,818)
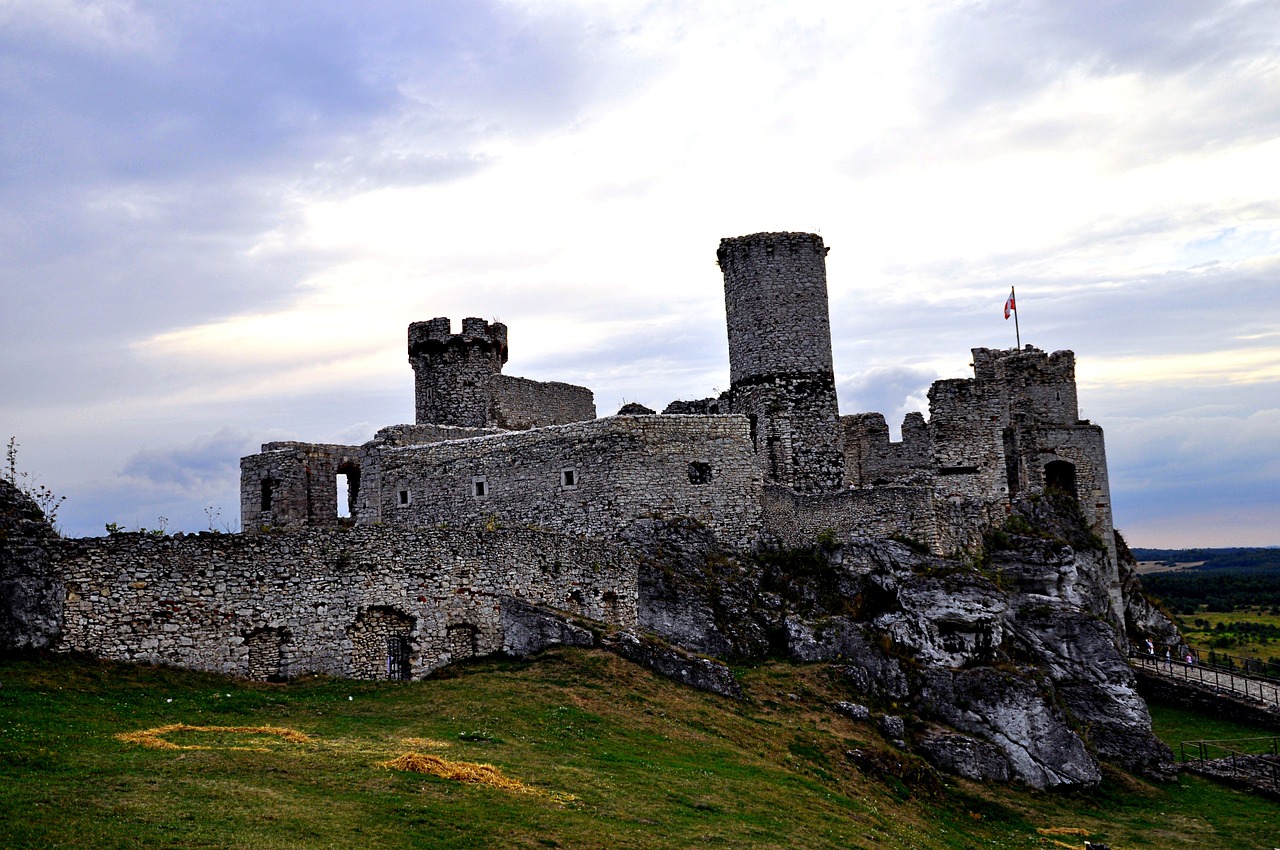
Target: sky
(218,219)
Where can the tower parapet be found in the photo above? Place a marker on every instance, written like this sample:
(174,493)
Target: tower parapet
(452,371)
(780,369)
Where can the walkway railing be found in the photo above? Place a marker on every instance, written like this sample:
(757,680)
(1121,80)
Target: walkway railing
(1255,761)
(1212,675)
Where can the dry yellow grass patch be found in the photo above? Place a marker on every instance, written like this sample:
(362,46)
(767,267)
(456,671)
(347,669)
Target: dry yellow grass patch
(1063,830)
(154,738)
(462,771)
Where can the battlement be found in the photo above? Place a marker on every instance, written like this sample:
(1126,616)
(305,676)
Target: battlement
(429,337)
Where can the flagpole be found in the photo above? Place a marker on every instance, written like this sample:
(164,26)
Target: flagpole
(1016,330)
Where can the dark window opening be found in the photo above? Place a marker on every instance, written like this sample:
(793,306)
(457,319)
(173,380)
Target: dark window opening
(568,478)
(957,470)
(699,472)
(1060,475)
(397,657)
(267,486)
(404,497)
(479,488)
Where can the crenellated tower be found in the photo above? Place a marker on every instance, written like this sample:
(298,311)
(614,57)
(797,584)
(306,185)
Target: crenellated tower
(452,372)
(780,369)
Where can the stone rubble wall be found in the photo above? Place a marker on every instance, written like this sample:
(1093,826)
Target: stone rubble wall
(591,478)
(412,435)
(801,519)
(520,403)
(291,485)
(326,600)
(872,459)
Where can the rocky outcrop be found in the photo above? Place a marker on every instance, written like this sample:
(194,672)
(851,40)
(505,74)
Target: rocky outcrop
(674,663)
(31,590)
(1017,651)
(528,629)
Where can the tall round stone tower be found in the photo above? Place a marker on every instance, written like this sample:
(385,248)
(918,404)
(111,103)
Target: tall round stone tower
(780,371)
(452,371)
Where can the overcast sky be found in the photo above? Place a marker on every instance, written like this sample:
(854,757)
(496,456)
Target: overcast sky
(217,220)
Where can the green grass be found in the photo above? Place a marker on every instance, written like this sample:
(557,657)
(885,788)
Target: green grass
(1230,638)
(648,763)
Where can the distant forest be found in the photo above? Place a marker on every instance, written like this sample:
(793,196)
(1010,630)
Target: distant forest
(1228,579)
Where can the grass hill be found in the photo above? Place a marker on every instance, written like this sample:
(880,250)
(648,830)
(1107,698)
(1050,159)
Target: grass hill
(588,751)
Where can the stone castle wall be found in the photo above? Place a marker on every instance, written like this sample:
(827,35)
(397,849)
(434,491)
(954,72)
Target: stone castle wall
(519,403)
(458,381)
(802,520)
(290,485)
(872,459)
(369,602)
(593,478)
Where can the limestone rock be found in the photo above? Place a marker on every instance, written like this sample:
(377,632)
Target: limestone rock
(701,673)
(1009,710)
(528,630)
(32,592)
(964,756)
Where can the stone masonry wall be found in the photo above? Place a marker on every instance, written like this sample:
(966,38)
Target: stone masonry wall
(872,459)
(519,403)
(780,367)
(292,485)
(593,478)
(334,601)
(452,371)
(799,519)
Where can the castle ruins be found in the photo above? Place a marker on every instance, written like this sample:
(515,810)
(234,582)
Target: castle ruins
(510,491)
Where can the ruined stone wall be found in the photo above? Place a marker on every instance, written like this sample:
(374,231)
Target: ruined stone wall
(519,403)
(452,371)
(412,435)
(872,459)
(334,601)
(591,478)
(966,427)
(292,485)
(1034,384)
(798,519)
(780,368)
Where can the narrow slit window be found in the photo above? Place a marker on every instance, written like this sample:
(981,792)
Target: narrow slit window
(403,497)
(267,486)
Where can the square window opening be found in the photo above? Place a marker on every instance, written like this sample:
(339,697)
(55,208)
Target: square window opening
(569,478)
(403,497)
(699,473)
(479,488)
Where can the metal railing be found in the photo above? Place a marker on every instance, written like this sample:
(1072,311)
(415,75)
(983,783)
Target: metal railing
(1228,757)
(1209,674)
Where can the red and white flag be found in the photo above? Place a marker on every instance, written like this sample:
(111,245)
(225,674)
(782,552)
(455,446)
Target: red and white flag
(1009,306)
